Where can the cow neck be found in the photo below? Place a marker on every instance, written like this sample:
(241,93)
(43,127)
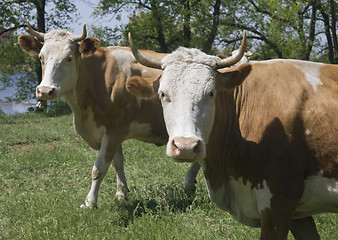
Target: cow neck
(226,145)
(100,88)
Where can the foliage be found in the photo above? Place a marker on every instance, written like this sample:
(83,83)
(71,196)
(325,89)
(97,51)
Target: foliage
(165,25)
(284,29)
(45,173)
(14,61)
(107,36)
(58,107)
(15,13)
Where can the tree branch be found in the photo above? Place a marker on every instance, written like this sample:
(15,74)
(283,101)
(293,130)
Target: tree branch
(273,16)
(255,31)
(3,32)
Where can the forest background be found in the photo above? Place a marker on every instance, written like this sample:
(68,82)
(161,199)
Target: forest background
(296,29)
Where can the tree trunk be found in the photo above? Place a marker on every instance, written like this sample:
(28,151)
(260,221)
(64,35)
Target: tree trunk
(40,9)
(215,22)
(334,29)
(157,18)
(315,6)
(186,25)
(328,36)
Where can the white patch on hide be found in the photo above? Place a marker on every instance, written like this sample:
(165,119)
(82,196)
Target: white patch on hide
(241,200)
(311,72)
(123,59)
(308,132)
(263,197)
(320,195)
(86,128)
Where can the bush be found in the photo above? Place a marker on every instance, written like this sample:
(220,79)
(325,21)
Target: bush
(58,107)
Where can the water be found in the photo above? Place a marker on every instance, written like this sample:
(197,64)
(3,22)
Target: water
(12,107)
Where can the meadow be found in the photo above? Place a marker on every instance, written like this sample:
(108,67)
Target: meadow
(45,175)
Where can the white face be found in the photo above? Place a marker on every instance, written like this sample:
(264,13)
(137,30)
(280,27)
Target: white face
(59,60)
(187,92)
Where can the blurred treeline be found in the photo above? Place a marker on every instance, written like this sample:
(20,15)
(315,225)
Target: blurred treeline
(298,29)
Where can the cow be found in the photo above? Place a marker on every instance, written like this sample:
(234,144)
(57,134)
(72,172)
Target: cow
(92,81)
(265,134)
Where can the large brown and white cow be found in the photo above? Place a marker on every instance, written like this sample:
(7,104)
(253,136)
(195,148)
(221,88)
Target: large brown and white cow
(266,135)
(92,80)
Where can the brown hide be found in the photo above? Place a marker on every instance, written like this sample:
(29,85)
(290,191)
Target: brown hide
(113,107)
(275,127)
(142,87)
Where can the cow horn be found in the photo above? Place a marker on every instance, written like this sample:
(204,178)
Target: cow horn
(229,61)
(148,62)
(83,36)
(39,35)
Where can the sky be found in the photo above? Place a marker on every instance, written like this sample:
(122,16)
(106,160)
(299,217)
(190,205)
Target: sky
(85,10)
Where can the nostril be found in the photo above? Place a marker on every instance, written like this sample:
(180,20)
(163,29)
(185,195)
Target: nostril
(197,147)
(50,93)
(174,145)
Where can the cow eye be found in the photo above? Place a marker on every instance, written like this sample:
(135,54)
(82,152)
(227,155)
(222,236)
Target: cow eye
(211,94)
(163,96)
(69,59)
(41,59)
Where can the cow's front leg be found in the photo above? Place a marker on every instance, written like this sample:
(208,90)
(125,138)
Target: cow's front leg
(100,168)
(190,178)
(275,224)
(121,187)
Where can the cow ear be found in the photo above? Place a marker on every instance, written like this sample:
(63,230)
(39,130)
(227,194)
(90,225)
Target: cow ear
(142,87)
(89,46)
(30,44)
(230,78)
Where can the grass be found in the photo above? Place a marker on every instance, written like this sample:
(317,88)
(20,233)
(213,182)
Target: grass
(45,175)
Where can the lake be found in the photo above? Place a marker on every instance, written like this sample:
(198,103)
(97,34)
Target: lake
(12,107)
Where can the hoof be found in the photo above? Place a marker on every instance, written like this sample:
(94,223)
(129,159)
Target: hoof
(88,204)
(190,190)
(120,197)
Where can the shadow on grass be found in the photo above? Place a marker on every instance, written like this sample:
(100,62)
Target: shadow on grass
(171,200)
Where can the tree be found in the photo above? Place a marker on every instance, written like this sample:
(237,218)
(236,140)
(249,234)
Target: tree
(14,14)
(284,29)
(300,29)
(165,25)
(328,10)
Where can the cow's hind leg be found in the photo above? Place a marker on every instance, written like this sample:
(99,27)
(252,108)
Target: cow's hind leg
(190,178)
(304,229)
(122,187)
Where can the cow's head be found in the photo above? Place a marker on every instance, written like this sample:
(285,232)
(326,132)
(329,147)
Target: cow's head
(188,88)
(59,54)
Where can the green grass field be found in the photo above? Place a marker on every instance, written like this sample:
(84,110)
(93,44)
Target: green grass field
(45,175)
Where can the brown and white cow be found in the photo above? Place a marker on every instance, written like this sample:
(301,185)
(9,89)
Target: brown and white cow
(266,135)
(92,80)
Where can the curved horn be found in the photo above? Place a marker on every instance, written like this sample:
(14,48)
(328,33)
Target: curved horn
(229,61)
(81,37)
(39,35)
(148,62)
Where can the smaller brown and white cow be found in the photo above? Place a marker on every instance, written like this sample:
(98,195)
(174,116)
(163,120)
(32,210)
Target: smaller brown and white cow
(266,134)
(92,81)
